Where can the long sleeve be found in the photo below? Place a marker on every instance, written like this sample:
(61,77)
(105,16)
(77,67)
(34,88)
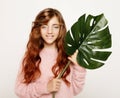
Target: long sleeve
(32,90)
(38,88)
(77,78)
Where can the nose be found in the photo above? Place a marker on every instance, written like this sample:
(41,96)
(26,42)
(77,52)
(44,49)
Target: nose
(49,30)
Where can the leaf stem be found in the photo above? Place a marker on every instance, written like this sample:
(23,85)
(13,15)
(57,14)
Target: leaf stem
(53,95)
(61,74)
(63,71)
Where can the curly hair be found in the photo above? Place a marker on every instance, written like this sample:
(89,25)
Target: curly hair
(31,61)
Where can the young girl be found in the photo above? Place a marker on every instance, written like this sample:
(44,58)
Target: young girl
(45,58)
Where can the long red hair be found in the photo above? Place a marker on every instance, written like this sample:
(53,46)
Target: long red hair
(35,44)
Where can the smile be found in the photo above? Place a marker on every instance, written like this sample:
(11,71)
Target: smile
(49,36)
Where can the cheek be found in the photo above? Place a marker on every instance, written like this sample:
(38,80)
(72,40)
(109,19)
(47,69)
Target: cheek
(43,31)
(57,34)
(42,35)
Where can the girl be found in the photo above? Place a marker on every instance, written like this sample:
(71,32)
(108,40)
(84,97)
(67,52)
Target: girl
(45,58)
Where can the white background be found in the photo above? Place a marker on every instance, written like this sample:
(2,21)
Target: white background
(16,18)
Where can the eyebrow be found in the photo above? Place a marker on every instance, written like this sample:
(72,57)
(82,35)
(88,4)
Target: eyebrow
(56,24)
(53,24)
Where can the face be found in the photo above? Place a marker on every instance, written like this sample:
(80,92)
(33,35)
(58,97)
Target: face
(50,31)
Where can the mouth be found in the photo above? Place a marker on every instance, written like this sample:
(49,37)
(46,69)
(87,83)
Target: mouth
(49,36)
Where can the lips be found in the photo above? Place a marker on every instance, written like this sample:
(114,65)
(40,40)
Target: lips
(49,36)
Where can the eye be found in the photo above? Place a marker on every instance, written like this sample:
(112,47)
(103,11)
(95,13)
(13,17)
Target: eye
(44,27)
(56,26)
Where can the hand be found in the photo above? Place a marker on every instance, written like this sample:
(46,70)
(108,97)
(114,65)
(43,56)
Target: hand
(73,57)
(54,85)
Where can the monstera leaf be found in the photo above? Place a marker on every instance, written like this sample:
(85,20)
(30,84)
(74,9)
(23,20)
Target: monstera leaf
(91,36)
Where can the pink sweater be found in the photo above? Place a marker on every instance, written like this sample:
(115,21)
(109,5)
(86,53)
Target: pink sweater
(38,89)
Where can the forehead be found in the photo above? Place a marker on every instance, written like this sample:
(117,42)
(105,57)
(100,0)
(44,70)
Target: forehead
(53,20)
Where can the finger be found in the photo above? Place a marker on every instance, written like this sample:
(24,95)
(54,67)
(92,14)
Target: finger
(76,51)
(57,88)
(58,84)
(58,80)
(70,58)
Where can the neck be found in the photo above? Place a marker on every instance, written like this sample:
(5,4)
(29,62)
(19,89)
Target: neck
(52,46)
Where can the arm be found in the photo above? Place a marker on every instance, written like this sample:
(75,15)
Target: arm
(77,79)
(32,90)
(77,75)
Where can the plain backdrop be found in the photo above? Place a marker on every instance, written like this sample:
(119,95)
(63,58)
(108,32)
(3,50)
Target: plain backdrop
(16,17)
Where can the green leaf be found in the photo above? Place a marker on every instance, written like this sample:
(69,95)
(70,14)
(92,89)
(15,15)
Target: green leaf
(90,35)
